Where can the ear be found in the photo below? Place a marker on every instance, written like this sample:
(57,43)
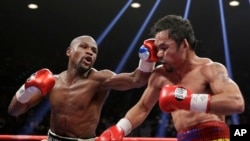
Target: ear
(68,50)
(186,44)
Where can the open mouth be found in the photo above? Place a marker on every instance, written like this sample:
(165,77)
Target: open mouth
(87,60)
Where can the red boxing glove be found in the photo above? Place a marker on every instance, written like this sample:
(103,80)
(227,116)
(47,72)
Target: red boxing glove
(148,51)
(116,132)
(113,133)
(176,97)
(40,82)
(148,55)
(42,79)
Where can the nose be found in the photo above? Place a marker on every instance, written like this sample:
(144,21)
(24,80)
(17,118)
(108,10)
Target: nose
(89,51)
(159,53)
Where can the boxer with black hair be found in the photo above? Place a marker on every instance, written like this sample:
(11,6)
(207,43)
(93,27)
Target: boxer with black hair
(197,91)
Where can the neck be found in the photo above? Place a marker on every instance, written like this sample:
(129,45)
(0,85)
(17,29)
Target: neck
(86,74)
(70,77)
(187,65)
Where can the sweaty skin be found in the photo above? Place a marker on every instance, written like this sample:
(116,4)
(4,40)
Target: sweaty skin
(78,95)
(181,66)
(76,107)
(196,90)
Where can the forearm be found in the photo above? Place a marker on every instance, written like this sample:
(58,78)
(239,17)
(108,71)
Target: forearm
(126,81)
(140,78)
(136,116)
(16,108)
(228,103)
(31,92)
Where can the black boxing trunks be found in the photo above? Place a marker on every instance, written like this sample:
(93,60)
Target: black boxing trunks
(54,137)
(207,131)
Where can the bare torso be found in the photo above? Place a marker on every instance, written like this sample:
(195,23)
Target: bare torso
(76,107)
(195,81)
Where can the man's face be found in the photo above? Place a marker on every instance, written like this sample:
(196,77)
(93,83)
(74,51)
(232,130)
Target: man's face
(83,54)
(168,51)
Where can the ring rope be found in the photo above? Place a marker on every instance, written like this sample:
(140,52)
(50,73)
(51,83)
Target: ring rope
(39,138)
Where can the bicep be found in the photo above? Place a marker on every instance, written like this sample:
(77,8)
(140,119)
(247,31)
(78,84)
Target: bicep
(225,92)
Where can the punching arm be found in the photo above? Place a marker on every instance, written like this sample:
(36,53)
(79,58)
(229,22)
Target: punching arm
(117,132)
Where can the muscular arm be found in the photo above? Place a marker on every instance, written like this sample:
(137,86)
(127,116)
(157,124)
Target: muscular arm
(31,92)
(139,77)
(139,112)
(226,93)
(16,108)
(125,81)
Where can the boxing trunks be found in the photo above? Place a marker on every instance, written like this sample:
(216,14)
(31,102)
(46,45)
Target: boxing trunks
(207,131)
(54,137)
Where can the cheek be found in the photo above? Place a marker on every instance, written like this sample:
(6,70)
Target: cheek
(76,57)
(94,57)
(170,56)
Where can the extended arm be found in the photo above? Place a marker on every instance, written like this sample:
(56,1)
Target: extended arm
(135,116)
(139,77)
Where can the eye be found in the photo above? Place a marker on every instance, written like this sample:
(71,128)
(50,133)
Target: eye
(83,45)
(94,50)
(162,48)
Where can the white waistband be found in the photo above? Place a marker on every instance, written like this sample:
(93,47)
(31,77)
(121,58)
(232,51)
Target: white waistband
(68,138)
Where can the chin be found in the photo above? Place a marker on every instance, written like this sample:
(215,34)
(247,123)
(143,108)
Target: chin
(82,68)
(168,69)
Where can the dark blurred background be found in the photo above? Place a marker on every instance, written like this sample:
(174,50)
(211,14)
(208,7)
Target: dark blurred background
(31,39)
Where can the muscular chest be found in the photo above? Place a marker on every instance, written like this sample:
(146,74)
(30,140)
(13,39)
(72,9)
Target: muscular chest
(193,80)
(75,97)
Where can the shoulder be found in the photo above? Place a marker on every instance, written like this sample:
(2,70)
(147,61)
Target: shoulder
(60,74)
(214,66)
(158,76)
(207,64)
(214,69)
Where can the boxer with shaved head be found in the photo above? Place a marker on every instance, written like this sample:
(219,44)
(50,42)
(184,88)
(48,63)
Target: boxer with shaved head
(77,94)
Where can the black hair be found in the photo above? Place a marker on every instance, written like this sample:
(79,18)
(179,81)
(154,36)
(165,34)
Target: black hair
(178,29)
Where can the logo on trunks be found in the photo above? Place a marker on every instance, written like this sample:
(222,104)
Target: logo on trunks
(180,93)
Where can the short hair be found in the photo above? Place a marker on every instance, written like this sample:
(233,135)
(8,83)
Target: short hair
(178,29)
